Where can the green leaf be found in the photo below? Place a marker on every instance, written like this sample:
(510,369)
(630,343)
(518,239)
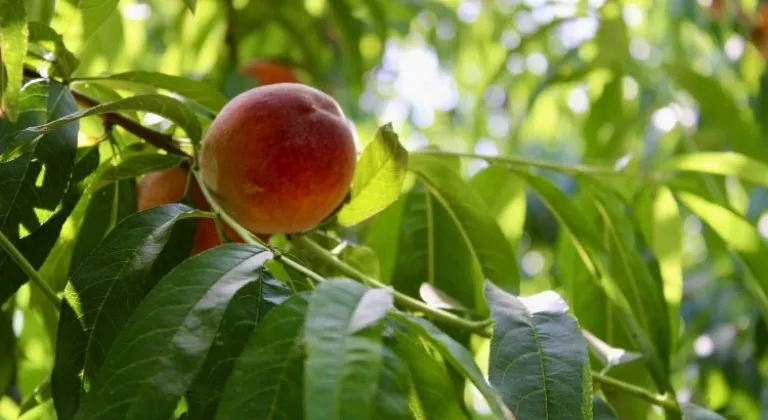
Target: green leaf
(191,5)
(720,110)
(344,350)
(456,356)
(433,388)
(158,104)
(418,259)
(267,380)
(159,351)
(39,10)
(481,233)
(36,247)
(721,163)
(563,208)
(601,311)
(640,287)
(63,61)
(539,360)
(741,237)
(36,178)
(249,307)
(695,412)
(504,194)
(136,165)
(13,43)
(199,92)
(609,355)
(603,410)
(105,290)
(351,58)
(7,350)
(107,206)
(41,395)
(378,178)
(394,388)
(664,234)
(95,13)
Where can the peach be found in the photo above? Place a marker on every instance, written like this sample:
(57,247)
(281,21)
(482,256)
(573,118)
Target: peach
(279,158)
(266,72)
(166,187)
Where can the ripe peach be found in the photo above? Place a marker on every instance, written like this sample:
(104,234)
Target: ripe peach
(166,187)
(279,158)
(267,72)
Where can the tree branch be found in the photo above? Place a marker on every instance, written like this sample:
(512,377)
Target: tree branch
(155,138)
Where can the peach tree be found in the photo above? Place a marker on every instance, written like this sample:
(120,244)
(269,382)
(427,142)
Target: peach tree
(405,300)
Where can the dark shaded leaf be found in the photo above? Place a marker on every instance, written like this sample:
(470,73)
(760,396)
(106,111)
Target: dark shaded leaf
(248,308)
(107,206)
(22,163)
(104,291)
(394,388)
(158,353)
(267,380)
(539,360)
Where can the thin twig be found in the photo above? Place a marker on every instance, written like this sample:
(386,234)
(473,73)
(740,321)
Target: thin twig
(447,318)
(664,401)
(30,271)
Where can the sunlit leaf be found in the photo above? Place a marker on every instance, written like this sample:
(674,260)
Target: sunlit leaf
(539,360)
(161,348)
(378,178)
(504,194)
(267,379)
(13,43)
(95,13)
(344,350)
(199,92)
(721,163)
(63,61)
